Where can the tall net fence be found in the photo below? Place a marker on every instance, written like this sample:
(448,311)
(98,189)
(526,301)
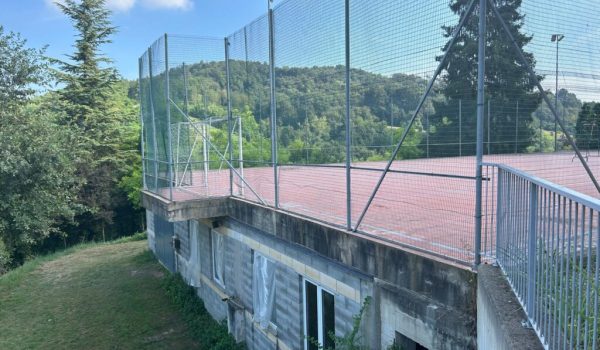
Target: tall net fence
(364,114)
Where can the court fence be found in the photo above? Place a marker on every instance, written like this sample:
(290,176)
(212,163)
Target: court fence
(378,116)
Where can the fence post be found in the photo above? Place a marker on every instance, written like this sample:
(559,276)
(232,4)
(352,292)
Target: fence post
(155,144)
(480,111)
(273,106)
(348,129)
(142,144)
(531,249)
(229,116)
(168,112)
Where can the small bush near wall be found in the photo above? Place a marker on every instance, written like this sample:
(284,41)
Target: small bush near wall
(207,332)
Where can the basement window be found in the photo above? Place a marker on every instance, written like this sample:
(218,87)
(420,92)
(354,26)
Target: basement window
(319,317)
(218,252)
(406,343)
(263,284)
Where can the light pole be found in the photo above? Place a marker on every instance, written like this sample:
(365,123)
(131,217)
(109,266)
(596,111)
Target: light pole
(556,38)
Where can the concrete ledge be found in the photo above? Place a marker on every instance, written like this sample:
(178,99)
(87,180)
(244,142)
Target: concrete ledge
(188,210)
(499,314)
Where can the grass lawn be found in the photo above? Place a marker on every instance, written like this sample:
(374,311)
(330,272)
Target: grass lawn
(104,296)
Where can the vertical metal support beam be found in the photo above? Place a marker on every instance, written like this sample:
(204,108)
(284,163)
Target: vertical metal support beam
(480,111)
(142,124)
(229,116)
(500,211)
(348,128)
(533,77)
(460,127)
(427,132)
(187,113)
(241,153)
(437,72)
(556,100)
(517,129)
(489,126)
(273,106)
(531,248)
(155,146)
(168,112)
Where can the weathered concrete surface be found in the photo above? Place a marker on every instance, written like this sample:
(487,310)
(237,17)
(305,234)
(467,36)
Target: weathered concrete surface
(189,210)
(499,314)
(426,297)
(426,290)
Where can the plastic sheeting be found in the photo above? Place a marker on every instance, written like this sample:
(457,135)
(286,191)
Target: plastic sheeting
(263,278)
(192,271)
(218,252)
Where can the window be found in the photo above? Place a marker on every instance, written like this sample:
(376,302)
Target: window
(263,278)
(319,317)
(218,250)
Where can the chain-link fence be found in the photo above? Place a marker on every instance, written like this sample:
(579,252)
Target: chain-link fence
(365,114)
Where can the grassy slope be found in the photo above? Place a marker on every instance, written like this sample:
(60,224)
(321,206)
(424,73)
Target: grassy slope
(105,296)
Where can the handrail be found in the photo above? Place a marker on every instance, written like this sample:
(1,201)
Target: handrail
(579,197)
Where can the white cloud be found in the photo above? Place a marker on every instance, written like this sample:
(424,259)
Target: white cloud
(120,5)
(169,4)
(126,5)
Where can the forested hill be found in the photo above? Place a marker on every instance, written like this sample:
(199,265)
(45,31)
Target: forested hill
(310,106)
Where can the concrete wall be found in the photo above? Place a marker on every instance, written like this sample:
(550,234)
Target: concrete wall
(427,300)
(499,315)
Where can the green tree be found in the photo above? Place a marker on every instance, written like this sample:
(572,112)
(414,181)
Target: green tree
(94,105)
(507,84)
(37,175)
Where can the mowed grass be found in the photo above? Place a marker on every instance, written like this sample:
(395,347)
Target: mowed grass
(105,296)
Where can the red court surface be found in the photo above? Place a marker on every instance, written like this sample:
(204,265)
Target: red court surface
(430,206)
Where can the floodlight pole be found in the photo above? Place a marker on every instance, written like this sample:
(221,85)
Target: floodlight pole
(557,38)
(480,112)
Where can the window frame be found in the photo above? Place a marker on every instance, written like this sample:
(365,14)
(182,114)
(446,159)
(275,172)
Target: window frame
(320,290)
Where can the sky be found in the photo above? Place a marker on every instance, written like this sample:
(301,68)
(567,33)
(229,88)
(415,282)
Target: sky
(139,22)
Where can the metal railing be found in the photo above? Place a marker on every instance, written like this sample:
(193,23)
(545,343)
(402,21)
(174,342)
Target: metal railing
(547,244)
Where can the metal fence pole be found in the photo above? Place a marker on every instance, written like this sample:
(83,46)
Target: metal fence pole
(479,146)
(489,126)
(460,127)
(229,116)
(168,112)
(517,129)
(155,146)
(531,249)
(187,112)
(143,134)
(348,129)
(241,153)
(273,106)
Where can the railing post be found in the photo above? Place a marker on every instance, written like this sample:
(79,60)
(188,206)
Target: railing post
(500,211)
(531,249)
(152,114)
(480,111)
(168,112)
(348,128)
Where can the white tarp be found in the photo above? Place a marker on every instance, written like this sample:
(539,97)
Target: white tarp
(192,273)
(263,284)
(218,252)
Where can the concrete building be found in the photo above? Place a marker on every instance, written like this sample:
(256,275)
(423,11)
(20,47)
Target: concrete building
(317,277)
